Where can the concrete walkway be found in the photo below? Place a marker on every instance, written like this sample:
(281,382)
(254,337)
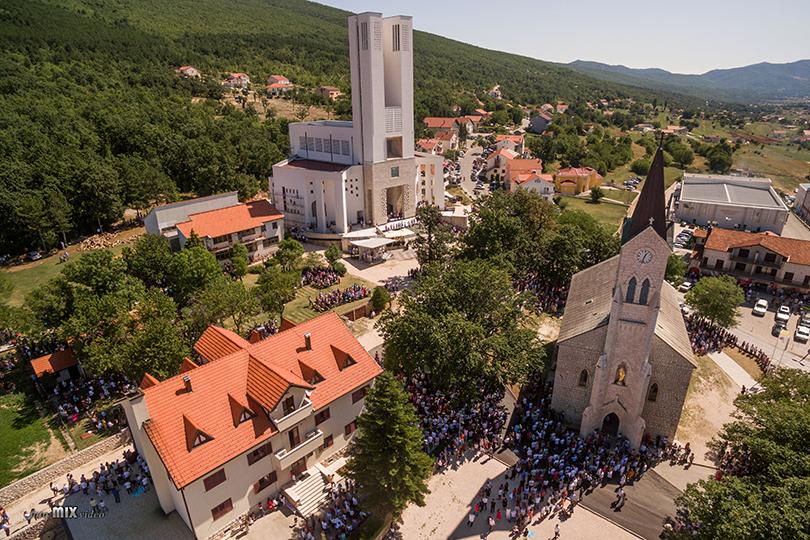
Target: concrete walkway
(733,369)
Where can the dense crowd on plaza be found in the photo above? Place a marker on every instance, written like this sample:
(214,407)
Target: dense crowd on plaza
(338,297)
(548,299)
(556,467)
(262,331)
(319,277)
(339,516)
(451,429)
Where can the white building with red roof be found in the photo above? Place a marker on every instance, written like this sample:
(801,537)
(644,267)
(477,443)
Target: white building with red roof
(510,142)
(189,72)
(224,435)
(278,85)
(236,80)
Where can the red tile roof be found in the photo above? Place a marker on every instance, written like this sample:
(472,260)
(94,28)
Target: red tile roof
(255,374)
(428,144)
(529,177)
(436,122)
(577,171)
(147,381)
(446,135)
(230,219)
(216,343)
(54,362)
(511,138)
(187,365)
(794,250)
(286,85)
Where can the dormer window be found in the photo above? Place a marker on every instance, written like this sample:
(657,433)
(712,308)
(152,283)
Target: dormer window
(349,362)
(200,439)
(245,416)
(315,378)
(289,405)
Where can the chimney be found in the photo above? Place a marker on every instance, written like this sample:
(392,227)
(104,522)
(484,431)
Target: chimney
(308,341)
(187,382)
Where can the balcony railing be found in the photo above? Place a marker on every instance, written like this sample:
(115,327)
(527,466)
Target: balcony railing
(286,422)
(761,262)
(284,458)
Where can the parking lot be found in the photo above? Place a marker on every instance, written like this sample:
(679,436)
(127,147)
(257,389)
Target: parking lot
(784,349)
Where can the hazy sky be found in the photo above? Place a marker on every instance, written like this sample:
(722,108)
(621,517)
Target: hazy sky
(683,36)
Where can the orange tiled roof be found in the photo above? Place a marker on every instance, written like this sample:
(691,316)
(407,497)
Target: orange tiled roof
(230,219)
(511,138)
(446,136)
(529,177)
(427,144)
(286,85)
(147,381)
(515,166)
(216,343)
(577,171)
(255,374)
(54,362)
(796,251)
(438,122)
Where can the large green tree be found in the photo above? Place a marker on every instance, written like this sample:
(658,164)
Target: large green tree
(387,461)
(275,288)
(239,260)
(716,299)
(463,324)
(676,269)
(767,492)
(289,254)
(221,300)
(434,239)
(191,270)
(149,259)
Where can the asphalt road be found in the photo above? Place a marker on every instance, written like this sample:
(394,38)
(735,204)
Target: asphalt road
(466,168)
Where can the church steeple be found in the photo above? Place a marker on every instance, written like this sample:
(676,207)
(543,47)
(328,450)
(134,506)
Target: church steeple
(650,208)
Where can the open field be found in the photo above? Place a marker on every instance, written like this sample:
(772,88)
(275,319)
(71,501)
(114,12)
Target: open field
(788,166)
(27,443)
(621,195)
(26,277)
(605,213)
(282,108)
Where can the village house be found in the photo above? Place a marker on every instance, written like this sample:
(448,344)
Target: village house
(236,80)
(539,123)
(430,146)
(278,85)
(163,219)
(644,128)
(674,130)
(448,140)
(189,72)
(576,180)
(330,92)
(505,165)
(561,107)
(256,224)
(439,124)
(249,420)
(542,184)
(763,258)
(547,107)
(512,142)
(482,113)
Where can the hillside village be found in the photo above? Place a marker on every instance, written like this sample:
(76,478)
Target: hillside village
(360,300)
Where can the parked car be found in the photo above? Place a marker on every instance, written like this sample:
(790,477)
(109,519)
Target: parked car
(760,308)
(778,326)
(685,286)
(34,255)
(783,314)
(805,319)
(802,334)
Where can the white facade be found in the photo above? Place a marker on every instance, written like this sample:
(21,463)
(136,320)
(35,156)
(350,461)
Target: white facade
(374,175)
(163,219)
(544,188)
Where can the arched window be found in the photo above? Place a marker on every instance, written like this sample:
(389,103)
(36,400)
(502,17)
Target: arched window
(621,373)
(645,292)
(652,395)
(583,378)
(631,291)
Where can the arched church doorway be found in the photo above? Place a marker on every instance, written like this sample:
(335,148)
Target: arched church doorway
(610,425)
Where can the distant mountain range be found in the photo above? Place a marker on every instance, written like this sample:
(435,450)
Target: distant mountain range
(757,82)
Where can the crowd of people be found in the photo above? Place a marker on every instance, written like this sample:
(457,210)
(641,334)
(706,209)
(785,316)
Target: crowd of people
(328,300)
(319,277)
(548,299)
(759,356)
(75,399)
(556,467)
(262,331)
(451,428)
(28,348)
(707,337)
(337,519)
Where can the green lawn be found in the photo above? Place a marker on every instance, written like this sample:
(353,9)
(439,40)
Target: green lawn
(605,213)
(787,166)
(620,195)
(27,277)
(298,310)
(26,444)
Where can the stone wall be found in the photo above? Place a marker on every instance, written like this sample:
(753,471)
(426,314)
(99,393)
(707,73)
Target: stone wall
(58,470)
(574,355)
(672,373)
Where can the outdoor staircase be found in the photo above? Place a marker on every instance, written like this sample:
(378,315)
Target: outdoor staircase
(307,495)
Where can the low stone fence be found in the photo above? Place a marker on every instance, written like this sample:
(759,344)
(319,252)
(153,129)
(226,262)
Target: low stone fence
(43,477)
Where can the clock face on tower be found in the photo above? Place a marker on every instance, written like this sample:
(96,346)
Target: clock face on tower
(644,256)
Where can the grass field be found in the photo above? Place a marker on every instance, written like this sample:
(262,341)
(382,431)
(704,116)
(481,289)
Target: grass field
(620,195)
(745,362)
(605,213)
(27,443)
(298,310)
(26,277)
(787,166)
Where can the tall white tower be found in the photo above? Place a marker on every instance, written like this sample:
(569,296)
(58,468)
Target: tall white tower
(381,57)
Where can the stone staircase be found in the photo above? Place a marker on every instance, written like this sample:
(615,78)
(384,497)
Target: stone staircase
(307,495)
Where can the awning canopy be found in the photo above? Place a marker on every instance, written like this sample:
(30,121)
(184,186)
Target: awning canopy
(371,243)
(399,233)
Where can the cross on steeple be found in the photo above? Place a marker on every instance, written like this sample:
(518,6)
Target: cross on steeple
(650,210)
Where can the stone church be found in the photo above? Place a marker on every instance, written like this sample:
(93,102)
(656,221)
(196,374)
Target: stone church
(624,360)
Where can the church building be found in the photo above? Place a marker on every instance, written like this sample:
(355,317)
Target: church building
(624,359)
(343,176)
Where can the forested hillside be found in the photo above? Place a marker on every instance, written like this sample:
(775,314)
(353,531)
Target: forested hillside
(93,118)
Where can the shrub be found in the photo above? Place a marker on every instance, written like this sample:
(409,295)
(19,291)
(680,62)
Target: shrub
(340,268)
(380,298)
